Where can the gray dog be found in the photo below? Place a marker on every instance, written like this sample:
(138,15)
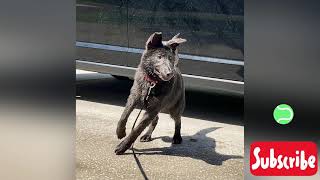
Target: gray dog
(157,69)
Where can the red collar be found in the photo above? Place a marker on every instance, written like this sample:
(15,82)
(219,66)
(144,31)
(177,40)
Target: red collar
(149,79)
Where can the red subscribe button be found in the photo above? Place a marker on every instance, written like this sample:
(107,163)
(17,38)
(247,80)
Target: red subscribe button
(283,158)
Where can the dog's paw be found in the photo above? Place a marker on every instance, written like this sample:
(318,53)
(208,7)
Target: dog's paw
(121,148)
(145,138)
(121,133)
(176,140)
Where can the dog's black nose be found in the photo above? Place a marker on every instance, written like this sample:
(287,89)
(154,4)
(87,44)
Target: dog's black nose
(169,74)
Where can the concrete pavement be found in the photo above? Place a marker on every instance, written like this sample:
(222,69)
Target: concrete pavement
(212,135)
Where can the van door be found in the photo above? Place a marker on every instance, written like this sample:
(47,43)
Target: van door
(213,28)
(102,31)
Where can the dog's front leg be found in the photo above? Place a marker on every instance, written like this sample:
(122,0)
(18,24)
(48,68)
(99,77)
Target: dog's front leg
(127,142)
(131,103)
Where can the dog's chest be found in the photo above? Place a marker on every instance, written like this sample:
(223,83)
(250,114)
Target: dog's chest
(157,93)
(161,89)
(154,92)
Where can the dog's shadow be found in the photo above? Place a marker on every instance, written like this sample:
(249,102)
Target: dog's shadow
(198,146)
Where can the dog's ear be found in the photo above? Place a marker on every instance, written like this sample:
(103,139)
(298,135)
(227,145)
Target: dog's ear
(154,41)
(175,41)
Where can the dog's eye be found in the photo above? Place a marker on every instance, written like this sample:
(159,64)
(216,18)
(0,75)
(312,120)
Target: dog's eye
(159,57)
(170,58)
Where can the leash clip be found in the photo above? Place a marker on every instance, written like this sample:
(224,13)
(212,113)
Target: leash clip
(150,88)
(152,85)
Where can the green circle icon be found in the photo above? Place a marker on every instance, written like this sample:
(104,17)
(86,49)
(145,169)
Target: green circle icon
(283,114)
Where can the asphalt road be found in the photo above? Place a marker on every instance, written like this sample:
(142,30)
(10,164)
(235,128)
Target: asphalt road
(212,132)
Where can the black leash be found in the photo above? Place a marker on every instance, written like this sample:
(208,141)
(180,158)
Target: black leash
(152,85)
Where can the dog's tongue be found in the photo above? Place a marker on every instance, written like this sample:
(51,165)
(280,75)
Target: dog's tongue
(149,79)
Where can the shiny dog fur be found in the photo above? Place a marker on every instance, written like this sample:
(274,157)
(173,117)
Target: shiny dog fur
(158,64)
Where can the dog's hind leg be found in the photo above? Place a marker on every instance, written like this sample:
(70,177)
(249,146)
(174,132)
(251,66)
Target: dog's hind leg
(177,139)
(147,136)
(176,113)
